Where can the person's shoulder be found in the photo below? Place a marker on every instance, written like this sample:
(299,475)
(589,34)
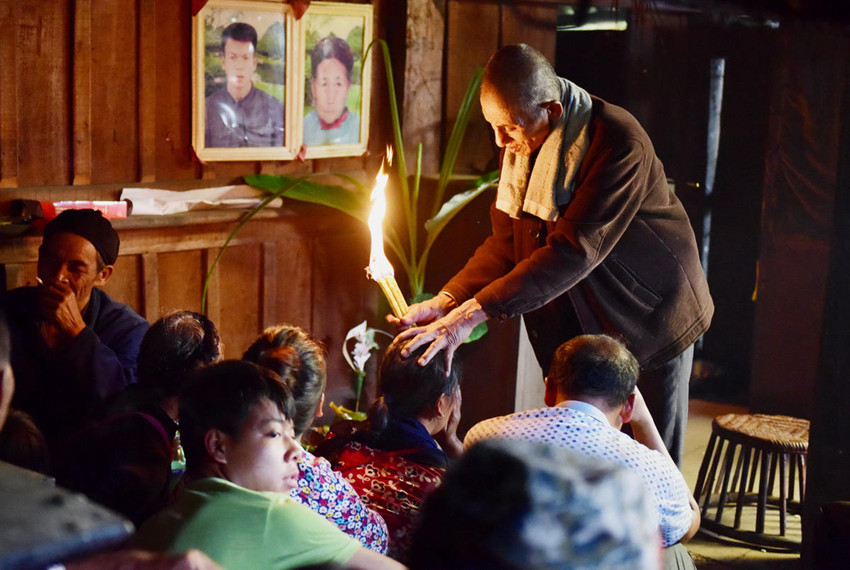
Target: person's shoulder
(500,426)
(267,98)
(218,96)
(615,122)
(112,310)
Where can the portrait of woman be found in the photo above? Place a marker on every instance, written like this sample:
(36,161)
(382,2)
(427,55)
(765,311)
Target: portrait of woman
(331,121)
(337,79)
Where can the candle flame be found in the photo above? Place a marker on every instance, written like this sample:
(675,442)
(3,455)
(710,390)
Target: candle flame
(379,266)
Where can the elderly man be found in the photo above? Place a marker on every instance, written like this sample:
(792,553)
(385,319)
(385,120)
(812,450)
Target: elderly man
(239,114)
(587,238)
(72,345)
(591,393)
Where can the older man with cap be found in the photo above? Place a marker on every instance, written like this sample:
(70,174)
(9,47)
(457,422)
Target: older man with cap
(72,345)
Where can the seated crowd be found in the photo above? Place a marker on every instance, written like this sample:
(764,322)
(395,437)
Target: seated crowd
(557,487)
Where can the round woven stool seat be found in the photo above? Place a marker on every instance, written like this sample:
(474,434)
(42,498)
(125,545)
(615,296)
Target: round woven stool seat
(779,433)
(752,479)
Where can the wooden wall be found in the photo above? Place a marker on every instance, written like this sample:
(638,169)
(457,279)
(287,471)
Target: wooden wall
(95,96)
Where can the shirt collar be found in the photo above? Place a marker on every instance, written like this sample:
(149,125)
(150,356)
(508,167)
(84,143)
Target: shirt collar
(336,124)
(585,408)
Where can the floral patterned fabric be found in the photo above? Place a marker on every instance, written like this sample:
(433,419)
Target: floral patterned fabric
(390,484)
(329,494)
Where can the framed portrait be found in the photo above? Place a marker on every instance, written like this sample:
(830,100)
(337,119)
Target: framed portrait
(336,79)
(244,81)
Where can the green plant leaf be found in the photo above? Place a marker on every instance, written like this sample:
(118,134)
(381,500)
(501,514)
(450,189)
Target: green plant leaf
(453,205)
(422,297)
(350,202)
(456,138)
(272,195)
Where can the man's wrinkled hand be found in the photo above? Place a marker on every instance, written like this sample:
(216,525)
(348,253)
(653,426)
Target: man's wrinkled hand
(59,309)
(423,313)
(446,333)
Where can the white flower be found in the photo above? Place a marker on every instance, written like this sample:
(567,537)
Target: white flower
(364,337)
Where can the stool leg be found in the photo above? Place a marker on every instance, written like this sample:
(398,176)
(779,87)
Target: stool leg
(762,500)
(756,461)
(791,477)
(698,490)
(772,480)
(712,472)
(783,464)
(802,479)
(728,460)
(746,452)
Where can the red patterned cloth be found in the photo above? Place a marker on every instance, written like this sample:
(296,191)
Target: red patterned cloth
(391,485)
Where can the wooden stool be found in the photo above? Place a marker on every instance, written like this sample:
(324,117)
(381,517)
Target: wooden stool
(748,451)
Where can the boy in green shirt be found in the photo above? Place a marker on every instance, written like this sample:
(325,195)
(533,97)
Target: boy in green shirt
(236,428)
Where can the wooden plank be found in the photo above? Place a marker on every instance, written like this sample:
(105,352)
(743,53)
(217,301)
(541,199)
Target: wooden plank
(213,305)
(43,85)
(534,25)
(126,284)
(181,281)
(423,82)
(294,292)
(150,276)
(268,284)
(82,101)
(8,98)
(114,92)
(339,259)
(174,157)
(473,35)
(148,39)
(239,320)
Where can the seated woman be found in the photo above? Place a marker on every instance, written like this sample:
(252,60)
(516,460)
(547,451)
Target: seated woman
(125,460)
(241,459)
(296,357)
(392,459)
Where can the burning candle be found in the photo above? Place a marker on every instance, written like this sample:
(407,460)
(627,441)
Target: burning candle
(379,268)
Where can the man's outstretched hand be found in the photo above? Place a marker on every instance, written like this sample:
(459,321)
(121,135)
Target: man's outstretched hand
(423,313)
(446,333)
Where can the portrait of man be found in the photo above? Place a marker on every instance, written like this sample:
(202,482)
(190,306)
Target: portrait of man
(240,113)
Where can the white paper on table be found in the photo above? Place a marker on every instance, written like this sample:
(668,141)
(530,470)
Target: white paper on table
(153,201)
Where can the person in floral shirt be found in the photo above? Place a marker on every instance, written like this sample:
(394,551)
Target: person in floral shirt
(300,361)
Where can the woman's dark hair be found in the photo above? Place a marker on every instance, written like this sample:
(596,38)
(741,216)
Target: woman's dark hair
(300,361)
(175,346)
(332,47)
(221,396)
(408,389)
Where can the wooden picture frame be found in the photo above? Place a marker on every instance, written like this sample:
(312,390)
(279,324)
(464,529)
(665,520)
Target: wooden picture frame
(330,123)
(244,96)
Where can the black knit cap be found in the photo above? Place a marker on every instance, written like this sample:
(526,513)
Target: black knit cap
(91,225)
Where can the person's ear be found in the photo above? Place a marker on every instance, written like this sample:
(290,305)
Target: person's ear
(444,406)
(319,409)
(550,396)
(103,275)
(554,110)
(215,442)
(627,409)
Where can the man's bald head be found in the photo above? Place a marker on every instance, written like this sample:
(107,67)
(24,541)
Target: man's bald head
(522,76)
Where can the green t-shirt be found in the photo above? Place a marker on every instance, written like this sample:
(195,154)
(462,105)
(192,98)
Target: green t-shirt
(240,528)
